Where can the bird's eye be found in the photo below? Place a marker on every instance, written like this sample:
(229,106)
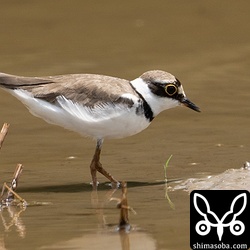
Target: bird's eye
(171,89)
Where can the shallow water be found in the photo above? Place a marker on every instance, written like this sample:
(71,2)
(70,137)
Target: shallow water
(206,44)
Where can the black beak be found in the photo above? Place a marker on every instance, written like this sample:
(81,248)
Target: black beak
(189,104)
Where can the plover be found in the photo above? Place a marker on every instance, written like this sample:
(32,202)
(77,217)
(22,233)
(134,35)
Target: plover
(98,106)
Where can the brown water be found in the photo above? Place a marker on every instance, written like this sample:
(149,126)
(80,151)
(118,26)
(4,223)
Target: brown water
(206,44)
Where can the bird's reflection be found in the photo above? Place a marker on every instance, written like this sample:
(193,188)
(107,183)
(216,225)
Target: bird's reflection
(116,235)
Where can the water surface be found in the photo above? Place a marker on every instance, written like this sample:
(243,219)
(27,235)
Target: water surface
(206,44)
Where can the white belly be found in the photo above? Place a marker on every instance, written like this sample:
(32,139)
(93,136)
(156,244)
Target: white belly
(108,121)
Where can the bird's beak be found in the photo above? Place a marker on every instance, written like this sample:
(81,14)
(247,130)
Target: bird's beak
(189,104)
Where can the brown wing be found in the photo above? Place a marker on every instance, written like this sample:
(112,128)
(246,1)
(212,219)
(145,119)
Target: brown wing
(87,89)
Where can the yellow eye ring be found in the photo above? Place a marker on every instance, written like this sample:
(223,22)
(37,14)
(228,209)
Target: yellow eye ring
(171,89)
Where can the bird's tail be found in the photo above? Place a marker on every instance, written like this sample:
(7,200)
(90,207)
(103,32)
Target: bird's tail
(7,81)
(15,82)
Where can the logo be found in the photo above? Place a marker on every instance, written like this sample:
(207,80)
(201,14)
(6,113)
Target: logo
(219,219)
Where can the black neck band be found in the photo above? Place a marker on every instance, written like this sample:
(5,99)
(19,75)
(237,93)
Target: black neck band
(147,109)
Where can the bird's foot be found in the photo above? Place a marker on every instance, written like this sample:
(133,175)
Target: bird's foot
(94,184)
(114,185)
(97,166)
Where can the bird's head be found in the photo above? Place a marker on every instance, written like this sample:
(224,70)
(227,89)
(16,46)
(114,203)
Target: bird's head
(164,91)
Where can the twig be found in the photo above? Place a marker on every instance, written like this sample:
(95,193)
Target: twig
(11,194)
(3,133)
(123,205)
(14,181)
(124,221)
(14,193)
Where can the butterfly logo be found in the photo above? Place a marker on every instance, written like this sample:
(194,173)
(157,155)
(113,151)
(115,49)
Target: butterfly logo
(203,227)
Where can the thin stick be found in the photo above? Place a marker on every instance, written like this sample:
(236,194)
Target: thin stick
(124,221)
(15,178)
(14,193)
(2,193)
(16,175)
(3,133)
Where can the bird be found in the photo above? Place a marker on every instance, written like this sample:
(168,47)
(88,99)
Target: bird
(98,106)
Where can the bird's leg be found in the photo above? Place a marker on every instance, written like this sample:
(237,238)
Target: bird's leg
(97,166)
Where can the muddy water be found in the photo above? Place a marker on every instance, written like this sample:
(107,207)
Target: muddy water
(206,44)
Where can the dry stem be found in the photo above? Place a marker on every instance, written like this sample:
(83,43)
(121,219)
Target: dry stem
(14,181)
(11,190)
(3,133)
(124,221)
(14,193)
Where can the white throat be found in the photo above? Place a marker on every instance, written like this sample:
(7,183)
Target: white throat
(157,103)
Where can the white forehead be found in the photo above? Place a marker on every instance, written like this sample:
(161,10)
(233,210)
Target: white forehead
(181,90)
